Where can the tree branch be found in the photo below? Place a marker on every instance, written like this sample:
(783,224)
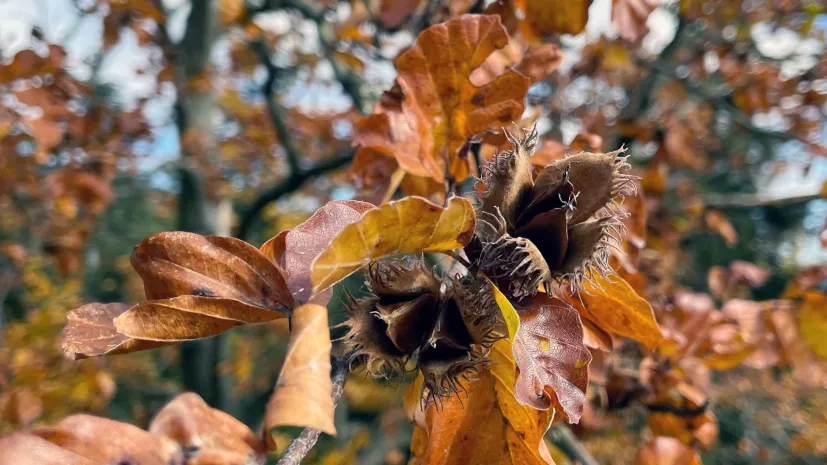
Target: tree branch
(291,184)
(756,200)
(562,437)
(305,441)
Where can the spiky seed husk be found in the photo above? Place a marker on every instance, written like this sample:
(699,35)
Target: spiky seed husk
(367,338)
(561,226)
(508,177)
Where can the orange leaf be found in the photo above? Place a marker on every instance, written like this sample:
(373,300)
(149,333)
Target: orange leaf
(546,18)
(717,222)
(667,451)
(410,225)
(188,421)
(95,437)
(612,304)
(174,264)
(303,395)
(188,317)
(90,332)
(484,423)
(392,13)
(427,121)
(294,250)
(28,449)
(551,356)
(812,322)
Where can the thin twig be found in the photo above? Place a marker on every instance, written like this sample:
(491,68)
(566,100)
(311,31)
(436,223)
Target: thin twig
(305,441)
(756,200)
(562,437)
(291,184)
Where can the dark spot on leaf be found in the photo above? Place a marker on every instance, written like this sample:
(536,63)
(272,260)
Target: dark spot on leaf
(204,292)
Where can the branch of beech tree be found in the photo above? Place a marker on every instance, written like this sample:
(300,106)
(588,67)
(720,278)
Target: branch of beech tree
(305,441)
(297,175)
(562,437)
(756,200)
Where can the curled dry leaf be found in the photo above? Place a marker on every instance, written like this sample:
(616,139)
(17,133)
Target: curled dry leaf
(95,437)
(410,225)
(484,423)
(174,264)
(188,317)
(90,332)
(294,250)
(551,357)
(426,121)
(304,393)
(612,304)
(29,449)
(206,432)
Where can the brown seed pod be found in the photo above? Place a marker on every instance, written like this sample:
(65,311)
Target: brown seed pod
(450,324)
(389,325)
(560,226)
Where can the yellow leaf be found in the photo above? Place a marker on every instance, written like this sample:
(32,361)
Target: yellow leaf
(544,17)
(512,320)
(812,322)
(410,225)
(612,305)
(303,395)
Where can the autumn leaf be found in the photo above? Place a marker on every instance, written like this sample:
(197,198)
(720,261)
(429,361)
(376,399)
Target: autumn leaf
(294,250)
(209,433)
(717,222)
(551,356)
(812,322)
(484,423)
(303,394)
(426,122)
(392,13)
(545,18)
(612,304)
(667,451)
(188,317)
(410,225)
(29,449)
(90,332)
(174,264)
(113,440)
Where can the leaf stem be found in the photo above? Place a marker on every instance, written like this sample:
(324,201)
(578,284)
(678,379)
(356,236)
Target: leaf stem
(305,441)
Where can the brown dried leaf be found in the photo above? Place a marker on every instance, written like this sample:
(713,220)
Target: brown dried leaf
(544,18)
(174,264)
(551,357)
(410,225)
(392,13)
(29,449)
(90,332)
(115,441)
(303,394)
(192,424)
(427,121)
(294,250)
(188,317)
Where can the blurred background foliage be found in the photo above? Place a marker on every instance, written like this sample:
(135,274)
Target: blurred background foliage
(122,118)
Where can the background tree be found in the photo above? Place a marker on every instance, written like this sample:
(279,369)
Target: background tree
(122,119)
